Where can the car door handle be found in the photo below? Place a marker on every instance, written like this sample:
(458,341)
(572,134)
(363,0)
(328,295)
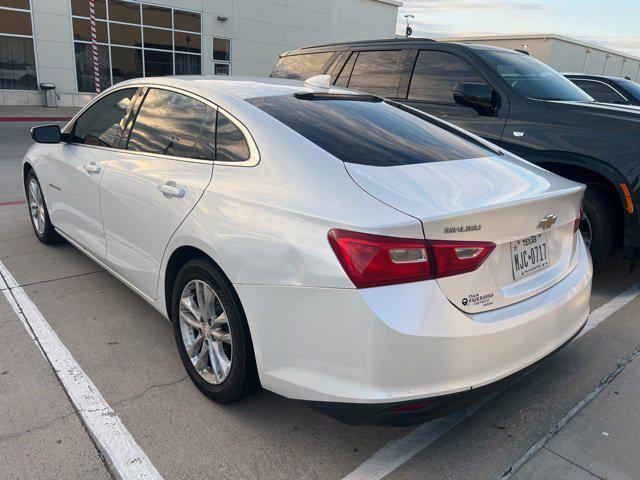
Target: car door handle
(91,168)
(170,189)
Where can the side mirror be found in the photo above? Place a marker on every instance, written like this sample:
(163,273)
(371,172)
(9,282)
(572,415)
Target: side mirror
(478,96)
(46,134)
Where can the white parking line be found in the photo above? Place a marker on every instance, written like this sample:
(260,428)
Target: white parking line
(116,444)
(401,450)
(611,307)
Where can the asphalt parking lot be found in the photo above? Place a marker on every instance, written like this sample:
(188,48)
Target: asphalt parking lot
(127,350)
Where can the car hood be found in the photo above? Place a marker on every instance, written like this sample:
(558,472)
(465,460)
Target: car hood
(628,113)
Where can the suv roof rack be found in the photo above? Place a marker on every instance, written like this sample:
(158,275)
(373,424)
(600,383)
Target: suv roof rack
(367,42)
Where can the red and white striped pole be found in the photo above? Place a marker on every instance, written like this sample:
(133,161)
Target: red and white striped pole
(94,45)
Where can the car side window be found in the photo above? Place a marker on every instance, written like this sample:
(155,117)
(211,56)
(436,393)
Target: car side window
(170,123)
(600,91)
(377,72)
(301,67)
(345,73)
(435,74)
(103,122)
(231,146)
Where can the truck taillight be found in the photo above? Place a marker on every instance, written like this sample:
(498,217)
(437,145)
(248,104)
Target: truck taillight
(375,260)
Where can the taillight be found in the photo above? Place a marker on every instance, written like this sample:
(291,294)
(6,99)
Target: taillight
(576,222)
(456,257)
(375,260)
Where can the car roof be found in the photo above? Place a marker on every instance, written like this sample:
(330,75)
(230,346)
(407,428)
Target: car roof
(391,42)
(238,86)
(381,41)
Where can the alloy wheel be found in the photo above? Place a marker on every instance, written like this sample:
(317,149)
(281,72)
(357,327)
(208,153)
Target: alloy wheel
(205,331)
(36,206)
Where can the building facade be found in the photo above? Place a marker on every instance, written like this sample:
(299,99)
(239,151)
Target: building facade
(50,41)
(566,54)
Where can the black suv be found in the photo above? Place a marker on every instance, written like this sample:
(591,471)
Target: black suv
(512,100)
(620,91)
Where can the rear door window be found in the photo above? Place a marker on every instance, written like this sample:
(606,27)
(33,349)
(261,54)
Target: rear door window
(600,91)
(377,72)
(369,132)
(103,122)
(345,73)
(301,67)
(170,123)
(435,75)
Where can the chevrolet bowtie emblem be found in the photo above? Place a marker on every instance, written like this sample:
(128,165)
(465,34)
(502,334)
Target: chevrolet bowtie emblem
(547,221)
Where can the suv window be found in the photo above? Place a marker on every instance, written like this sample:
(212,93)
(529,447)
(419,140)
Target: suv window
(601,92)
(436,73)
(231,146)
(369,132)
(345,73)
(301,67)
(103,122)
(174,124)
(377,72)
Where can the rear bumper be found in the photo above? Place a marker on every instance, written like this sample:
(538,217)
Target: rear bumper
(421,410)
(396,344)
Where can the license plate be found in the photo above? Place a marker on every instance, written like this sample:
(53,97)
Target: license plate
(529,255)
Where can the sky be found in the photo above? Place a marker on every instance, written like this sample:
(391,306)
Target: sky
(614,24)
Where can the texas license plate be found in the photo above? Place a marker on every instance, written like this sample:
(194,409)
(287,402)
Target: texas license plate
(529,255)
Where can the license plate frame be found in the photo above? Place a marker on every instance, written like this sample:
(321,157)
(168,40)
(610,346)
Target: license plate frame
(529,255)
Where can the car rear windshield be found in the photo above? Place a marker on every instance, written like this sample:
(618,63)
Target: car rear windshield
(532,78)
(369,132)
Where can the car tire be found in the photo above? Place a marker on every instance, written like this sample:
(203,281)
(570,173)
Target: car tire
(38,212)
(224,341)
(599,225)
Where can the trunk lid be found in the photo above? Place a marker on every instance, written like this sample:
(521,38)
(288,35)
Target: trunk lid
(499,199)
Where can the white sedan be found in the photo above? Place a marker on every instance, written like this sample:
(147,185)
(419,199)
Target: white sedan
(327,245)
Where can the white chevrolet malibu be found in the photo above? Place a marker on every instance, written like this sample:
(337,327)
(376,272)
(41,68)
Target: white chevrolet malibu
(324,244)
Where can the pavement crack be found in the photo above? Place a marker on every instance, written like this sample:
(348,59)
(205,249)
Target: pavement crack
(19,254)
(541,443)
(573,463)
(56,279)
(29,235)
(36,428)
(6,322)
(148,389)
(17,334)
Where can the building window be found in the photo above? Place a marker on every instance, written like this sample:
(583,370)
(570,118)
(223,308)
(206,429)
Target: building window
(221,56)
(17,57)
(187,64)
(134,40)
